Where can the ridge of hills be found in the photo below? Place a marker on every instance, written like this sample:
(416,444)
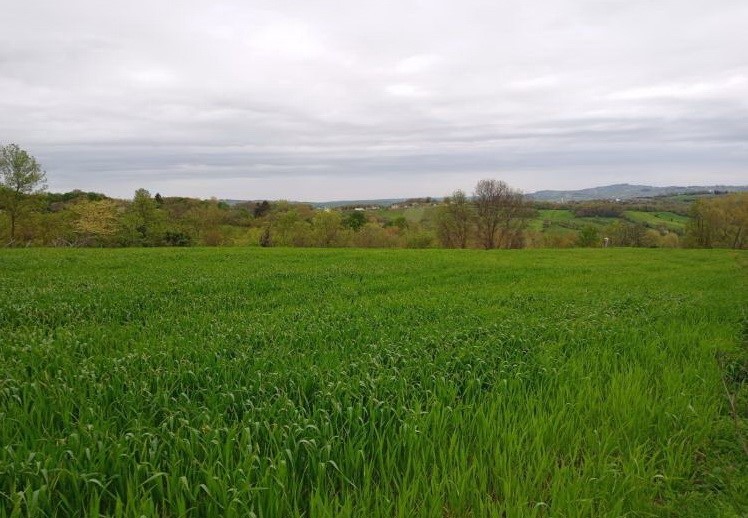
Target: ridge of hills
(620,191)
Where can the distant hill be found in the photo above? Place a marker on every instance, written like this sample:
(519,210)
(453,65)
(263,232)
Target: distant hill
(332,204)
(623,191)
(385,202)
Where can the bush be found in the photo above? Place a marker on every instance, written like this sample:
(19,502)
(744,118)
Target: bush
(177,238)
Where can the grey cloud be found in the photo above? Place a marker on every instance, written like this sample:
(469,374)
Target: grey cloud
(311,99)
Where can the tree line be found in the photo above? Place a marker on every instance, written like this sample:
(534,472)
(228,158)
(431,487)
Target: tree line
(494,215)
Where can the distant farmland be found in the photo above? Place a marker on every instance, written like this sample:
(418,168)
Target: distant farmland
(285,382)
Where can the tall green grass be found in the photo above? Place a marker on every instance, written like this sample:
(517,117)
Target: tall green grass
(271,382)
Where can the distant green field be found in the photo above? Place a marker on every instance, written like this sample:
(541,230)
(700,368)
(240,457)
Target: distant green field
(289,382)
(547,218)
(562,220)
(555,214)
(599,221)
(411,214)
(668,220)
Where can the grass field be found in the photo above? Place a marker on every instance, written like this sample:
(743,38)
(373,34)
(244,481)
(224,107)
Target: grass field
(549,217)
(668,220)
(411,214)
(282,382)
(554,221)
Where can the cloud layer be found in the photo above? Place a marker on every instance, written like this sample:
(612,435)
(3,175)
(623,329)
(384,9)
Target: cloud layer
(321,99)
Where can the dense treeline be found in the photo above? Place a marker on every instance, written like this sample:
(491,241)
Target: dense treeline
(91,219)
(720,222)
(614,208)
(494,215)
(80,218)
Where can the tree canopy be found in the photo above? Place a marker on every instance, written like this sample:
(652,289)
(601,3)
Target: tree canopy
(20,176)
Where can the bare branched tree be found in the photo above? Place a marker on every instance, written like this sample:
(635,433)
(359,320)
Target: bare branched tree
(454,220)
(502,214)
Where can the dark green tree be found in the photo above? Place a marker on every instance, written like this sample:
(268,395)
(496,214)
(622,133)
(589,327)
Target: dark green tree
(355,220)
(261,209)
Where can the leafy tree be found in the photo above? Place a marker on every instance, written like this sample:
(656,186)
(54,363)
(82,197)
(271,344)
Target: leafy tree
(261,209)
(53,198)
(283,224)
(651,238)
(588,236)
(97,221)
(603,209)
(177,238)
(372,235)
(326,227)
(206,220)
(670,240)
(20,176)
(419,239)
(721,221)
(623,233)
(143,219)
(355,220)
(400,222)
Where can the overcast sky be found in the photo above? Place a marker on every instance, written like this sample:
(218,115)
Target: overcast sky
(320,100)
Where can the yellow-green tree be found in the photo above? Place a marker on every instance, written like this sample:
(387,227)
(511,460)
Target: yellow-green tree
(719,222)
(97,221)
(326,226)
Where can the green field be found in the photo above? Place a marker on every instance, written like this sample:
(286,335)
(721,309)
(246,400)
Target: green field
(668,220)
(411,214)
(282,382)
(549,217)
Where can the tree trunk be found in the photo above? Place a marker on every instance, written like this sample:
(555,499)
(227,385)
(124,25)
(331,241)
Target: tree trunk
(12,226)
(736,242)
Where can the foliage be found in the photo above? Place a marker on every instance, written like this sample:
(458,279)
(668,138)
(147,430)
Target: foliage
(204,382)
(604,209)
(20,176)
(588,237)
(327,228)
(176,238)
(74,195)
(720,222)
(97,221)
(143,221)
(623,233)
(262,209)
(498,217)
(355,220)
